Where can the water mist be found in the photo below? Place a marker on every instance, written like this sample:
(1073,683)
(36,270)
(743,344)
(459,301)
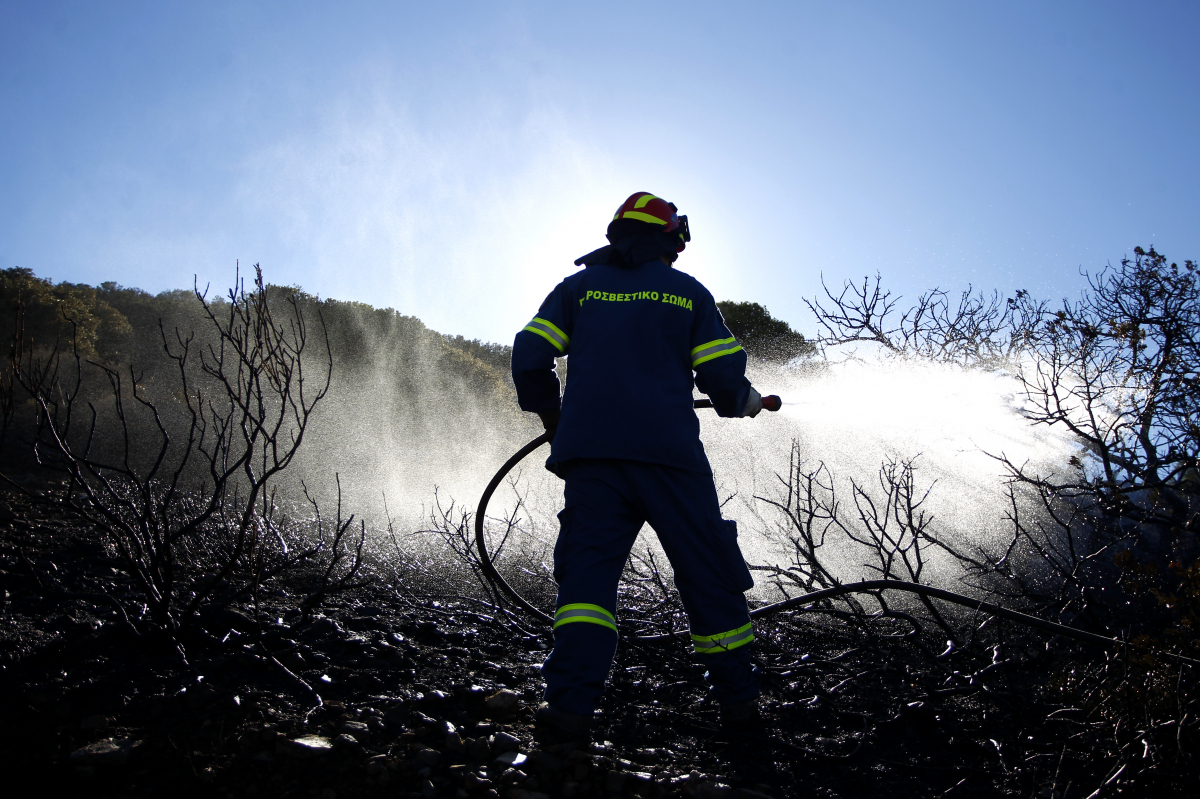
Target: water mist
(851,417)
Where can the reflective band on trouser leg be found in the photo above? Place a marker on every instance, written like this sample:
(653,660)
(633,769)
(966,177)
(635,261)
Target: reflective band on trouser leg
(550,332)
(589,613)
(723,642)
(713,349)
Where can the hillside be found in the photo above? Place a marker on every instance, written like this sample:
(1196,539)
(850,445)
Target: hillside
(403,400)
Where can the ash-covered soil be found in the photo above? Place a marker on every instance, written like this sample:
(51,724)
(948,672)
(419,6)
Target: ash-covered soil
(433,697)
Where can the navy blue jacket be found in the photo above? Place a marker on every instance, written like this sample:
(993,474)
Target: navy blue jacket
(634,336)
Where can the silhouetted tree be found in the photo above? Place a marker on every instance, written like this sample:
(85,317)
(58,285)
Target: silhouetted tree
(761,334)
(1116,524)
(236,414)
(974,331)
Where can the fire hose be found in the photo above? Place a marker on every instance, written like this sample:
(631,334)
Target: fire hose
(773,403)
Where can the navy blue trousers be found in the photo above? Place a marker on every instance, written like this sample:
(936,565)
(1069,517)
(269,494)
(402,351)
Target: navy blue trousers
(607,501)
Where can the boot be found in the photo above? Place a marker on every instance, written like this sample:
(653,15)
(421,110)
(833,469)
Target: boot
(739,715)
(554,726)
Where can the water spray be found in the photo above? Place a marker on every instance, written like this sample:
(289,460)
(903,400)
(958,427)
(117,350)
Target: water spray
(774,403)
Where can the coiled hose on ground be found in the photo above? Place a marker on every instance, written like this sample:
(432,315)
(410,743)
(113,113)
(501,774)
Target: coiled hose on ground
(865,586)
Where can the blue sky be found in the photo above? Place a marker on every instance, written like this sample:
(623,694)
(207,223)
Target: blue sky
(450,160)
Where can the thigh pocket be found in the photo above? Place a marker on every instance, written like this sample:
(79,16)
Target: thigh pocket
(739,573)
(562,546)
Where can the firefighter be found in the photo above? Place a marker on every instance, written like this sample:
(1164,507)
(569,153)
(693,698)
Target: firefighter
(626,442)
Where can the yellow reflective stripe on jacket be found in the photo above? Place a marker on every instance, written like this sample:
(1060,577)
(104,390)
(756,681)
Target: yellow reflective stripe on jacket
(723,642)
(714,349)
(548,331)
(582,612)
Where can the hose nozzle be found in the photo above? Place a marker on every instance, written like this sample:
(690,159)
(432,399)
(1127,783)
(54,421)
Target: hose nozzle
(770,402)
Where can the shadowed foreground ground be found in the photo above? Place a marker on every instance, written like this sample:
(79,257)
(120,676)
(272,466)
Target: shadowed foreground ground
(429,698)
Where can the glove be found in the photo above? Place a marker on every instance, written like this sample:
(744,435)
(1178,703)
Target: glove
(550,422)
(753,404)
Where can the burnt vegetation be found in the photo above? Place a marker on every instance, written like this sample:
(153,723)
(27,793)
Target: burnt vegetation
(182,613)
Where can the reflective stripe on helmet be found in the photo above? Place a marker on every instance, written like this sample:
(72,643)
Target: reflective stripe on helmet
(582,612)
(643,206)
(713,349)
(723,642)
(643,217)
(548,331)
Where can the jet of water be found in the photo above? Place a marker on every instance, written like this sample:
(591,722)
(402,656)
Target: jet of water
(854,416)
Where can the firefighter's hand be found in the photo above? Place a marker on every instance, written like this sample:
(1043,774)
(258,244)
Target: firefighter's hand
(550,422)
(753,404)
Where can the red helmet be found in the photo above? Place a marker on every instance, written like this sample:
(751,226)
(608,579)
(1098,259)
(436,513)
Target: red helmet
(643,206)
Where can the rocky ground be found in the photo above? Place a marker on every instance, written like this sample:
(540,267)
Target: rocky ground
(425,696)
